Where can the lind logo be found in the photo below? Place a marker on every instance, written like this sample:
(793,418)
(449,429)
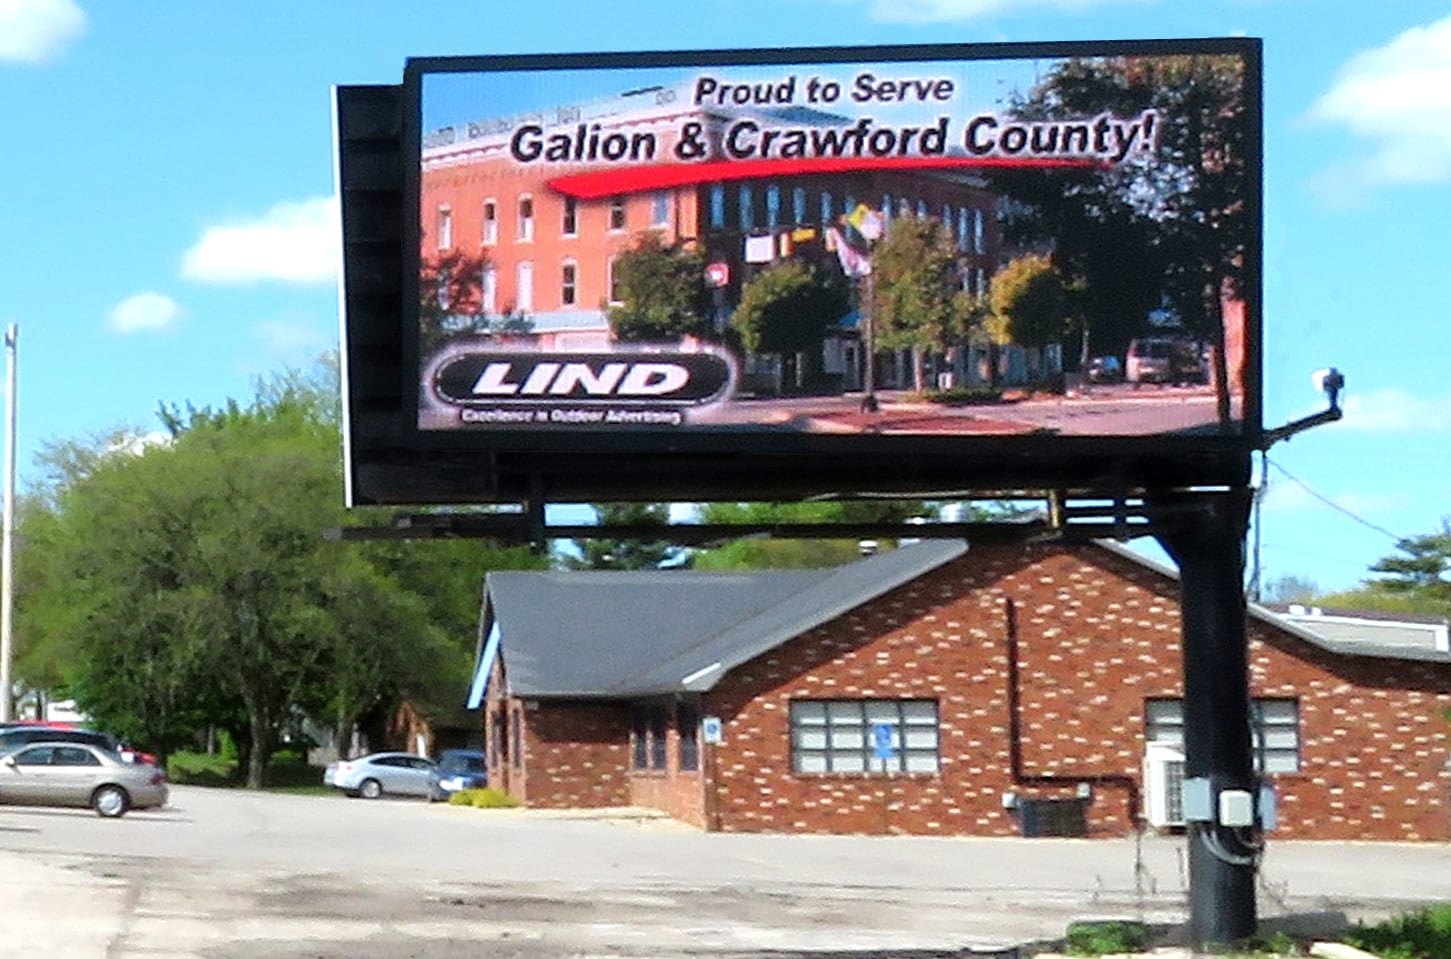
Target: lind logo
(601,379)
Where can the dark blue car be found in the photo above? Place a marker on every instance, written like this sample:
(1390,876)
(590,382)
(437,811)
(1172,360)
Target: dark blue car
(457,769)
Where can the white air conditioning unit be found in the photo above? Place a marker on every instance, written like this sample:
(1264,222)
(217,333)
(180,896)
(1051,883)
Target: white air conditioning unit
(1164,785)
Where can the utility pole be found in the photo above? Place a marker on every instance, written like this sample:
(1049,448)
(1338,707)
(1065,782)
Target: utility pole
(7,539)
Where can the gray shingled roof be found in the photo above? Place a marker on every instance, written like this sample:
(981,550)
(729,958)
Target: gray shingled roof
(613,635)
(1337,644)
(621,634)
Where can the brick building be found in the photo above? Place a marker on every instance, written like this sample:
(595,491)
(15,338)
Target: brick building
(934,690)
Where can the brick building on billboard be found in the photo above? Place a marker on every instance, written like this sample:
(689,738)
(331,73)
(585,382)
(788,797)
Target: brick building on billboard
(940,691)
(549,256)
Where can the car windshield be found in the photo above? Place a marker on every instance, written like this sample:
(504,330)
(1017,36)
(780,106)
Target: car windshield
(462,763)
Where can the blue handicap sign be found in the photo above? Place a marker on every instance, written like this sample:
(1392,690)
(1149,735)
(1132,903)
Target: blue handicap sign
(882,740)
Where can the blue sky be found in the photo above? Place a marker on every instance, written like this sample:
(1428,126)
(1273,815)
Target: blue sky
(166,225)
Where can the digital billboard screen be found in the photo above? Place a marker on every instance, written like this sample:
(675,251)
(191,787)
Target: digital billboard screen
(884,257)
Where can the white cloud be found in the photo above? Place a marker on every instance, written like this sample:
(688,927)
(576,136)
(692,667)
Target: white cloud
(291,340)
(1395,411)
(137,443)
(1285,496)
(940,11)
(1396,98)
(144,313)
(34,31)
(290,243)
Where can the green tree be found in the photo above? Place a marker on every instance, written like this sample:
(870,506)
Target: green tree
(762,552)
(917,297)
(787,309)
(1031,303)
(1415,579)
(662,291)
(1180,220)
(607,552)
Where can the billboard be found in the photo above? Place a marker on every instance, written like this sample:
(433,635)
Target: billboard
(925,256)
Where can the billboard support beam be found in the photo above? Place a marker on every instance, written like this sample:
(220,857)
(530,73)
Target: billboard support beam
(1219,771)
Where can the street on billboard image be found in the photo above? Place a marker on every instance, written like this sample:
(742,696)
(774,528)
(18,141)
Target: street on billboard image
(977,246)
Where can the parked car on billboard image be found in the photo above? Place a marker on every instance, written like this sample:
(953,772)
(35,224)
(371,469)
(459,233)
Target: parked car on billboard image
(458,769)
(1165,359)
(381,774)
(1104,369)
(79,774)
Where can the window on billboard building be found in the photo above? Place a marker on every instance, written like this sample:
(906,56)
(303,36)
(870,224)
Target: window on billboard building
(568,279)
(773,206)
(526,218)
(491,222)
(979,244)
(444,231)
(864,736)
(717,206)
(922,209)
(826,211)
(887,205)
(569,224)
(982,283)
(617,213)
(489,289)
(963,214)
(524,295)
(660,208)
(616,294)
(798,205)
(748,207)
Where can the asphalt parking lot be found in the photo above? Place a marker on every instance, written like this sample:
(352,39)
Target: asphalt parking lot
(231,874)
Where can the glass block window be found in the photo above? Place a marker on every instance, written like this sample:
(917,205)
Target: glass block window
(1274,730)
(864,736)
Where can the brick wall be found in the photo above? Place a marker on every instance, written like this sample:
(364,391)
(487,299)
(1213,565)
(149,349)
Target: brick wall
(575,755)
(1064,646)
(673,792)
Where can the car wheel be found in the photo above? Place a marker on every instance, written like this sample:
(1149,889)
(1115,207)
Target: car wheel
(370,789)
(110,802)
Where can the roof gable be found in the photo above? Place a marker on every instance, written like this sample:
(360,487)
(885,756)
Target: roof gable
(621,634)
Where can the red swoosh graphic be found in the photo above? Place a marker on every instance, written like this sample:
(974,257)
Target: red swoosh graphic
(635,179)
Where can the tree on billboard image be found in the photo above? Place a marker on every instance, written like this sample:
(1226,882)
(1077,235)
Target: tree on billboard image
(917,298)
(1172,233)
(451,301)
(786,309)
(1032,303)
(661,292)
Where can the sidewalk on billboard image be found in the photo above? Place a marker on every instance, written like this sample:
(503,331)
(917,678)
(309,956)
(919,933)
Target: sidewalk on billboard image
(1117,410)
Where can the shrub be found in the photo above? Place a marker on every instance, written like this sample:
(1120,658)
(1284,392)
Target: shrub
(966,396)
(482,799)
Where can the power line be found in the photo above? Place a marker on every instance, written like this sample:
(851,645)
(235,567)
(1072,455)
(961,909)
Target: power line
(1395,538)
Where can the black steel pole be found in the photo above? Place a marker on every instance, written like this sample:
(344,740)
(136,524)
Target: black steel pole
(1209,548)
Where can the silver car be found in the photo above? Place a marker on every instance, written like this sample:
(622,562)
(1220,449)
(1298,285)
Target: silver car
(79,774)
(396,774)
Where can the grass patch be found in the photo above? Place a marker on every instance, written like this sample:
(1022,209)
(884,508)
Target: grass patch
(1106,937)
(200,769)
(288,772)
(1422,934)
(482,799)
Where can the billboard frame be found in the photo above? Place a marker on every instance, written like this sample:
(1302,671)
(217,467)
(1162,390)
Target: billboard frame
(395,461)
